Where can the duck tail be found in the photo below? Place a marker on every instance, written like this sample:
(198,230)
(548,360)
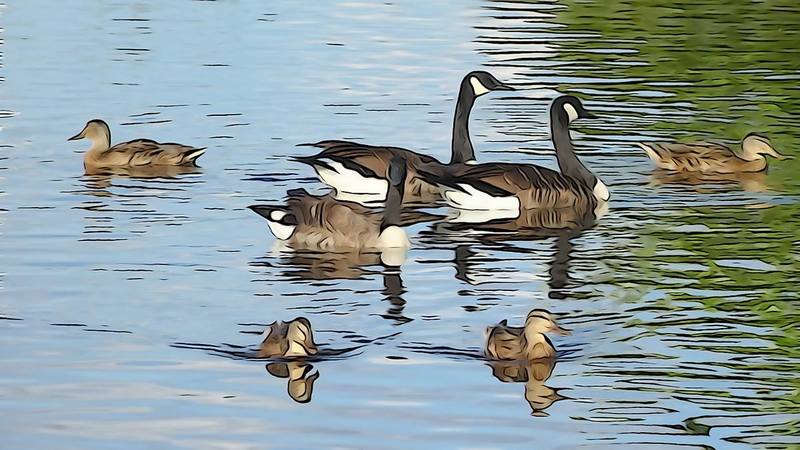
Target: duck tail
(651,151)
(190,156)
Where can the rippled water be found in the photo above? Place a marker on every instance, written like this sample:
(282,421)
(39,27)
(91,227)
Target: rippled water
(131,307)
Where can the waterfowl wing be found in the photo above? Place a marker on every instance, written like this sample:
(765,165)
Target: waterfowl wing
(145,151)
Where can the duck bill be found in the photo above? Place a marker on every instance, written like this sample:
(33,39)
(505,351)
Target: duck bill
(780,157)
(78,136)
(562,331)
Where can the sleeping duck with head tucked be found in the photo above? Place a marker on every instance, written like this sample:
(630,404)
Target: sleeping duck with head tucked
(131,154)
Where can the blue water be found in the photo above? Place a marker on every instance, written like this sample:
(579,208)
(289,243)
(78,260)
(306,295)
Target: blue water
(682,298)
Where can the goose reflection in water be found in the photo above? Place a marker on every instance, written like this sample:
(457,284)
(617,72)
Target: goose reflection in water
(564,225)
(291,348)
(317,266)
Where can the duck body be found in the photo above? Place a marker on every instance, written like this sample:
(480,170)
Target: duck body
(327,223)
(706,157)
(132,154)
(523,343)
(358,170)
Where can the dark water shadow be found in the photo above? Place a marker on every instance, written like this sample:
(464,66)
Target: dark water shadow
(312,267)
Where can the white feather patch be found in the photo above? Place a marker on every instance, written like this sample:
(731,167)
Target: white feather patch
(393,237)
(281,231)
(477,87)
(601,191)
(474,199)
(572,113)
(351,182)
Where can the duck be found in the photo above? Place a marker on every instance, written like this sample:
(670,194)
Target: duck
(293,339)
(326,223)
(523,343)
(517,187)
(136,153)
(356,170)
(708,157)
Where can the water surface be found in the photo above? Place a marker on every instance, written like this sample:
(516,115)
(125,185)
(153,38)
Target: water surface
(128,305)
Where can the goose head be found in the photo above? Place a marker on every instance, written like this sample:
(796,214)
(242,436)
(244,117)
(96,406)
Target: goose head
(481,82)
(569,108)
(755,144)
(97,131)
(289,339)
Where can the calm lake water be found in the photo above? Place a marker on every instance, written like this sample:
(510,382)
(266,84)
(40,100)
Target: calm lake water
(128,306)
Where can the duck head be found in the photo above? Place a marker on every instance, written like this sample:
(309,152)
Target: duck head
(569,108)
(755,144)
(97,131)
(482,82)
(289,339)
(540,321)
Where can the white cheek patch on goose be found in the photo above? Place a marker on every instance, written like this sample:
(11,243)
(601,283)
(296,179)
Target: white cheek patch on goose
(477,87)
(601,191)
(281,231)
(349,181)
(572,113)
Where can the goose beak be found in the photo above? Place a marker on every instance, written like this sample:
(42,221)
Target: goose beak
(587,115)
(503,87)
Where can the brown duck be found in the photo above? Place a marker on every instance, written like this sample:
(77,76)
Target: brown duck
(524,343)
(707,157)
(137,153)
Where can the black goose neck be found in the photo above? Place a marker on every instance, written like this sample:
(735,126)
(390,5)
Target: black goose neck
(393,206)
(461,146)
(568,161)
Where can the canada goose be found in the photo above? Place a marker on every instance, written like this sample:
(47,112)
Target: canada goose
(516,187)
(523,343)
(711,157)
(322,222)
(140,152)
(534,374)
(353,168)
(288,339)
(301,377)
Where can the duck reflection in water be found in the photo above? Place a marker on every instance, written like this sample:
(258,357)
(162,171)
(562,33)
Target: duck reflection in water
(290,349)
(747,181)
(526,355)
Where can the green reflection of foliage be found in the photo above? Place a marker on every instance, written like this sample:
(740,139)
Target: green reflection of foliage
(735,66)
